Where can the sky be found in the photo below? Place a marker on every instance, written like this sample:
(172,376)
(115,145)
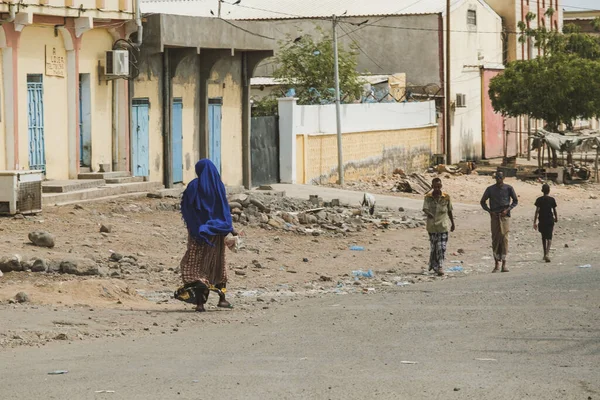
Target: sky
(578,5)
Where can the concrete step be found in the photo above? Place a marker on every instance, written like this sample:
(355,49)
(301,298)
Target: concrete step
(126,179)
(70,185)
(50,199)
(103,175)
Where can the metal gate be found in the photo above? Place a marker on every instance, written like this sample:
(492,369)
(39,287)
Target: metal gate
(140,156)
(264,145)
(35,119)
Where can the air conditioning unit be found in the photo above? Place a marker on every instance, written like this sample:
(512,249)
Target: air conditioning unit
(461,100)
(21,192)
(117,63)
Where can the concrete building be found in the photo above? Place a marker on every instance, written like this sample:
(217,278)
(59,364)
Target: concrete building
(191,99)
(59,113)
(543,13)
(584,19)
(401,36)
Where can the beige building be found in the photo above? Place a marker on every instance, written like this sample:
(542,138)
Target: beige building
(60,113)
(542,13)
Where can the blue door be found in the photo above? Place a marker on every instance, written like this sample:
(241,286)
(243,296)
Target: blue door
(35,122)
(85,121)
(140,137)
(177,134)
(214,131)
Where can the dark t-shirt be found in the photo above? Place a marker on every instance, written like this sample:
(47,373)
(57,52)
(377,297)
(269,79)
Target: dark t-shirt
(546,204)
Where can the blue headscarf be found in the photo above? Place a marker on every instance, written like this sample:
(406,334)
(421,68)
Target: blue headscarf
(204,205)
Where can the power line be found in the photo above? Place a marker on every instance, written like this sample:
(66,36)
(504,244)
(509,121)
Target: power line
(382,18)
(246,30)
(360,48)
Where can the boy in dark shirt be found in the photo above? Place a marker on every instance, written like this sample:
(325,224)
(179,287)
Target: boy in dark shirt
(545,207)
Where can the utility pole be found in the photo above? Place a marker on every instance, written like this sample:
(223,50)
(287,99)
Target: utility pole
(337,103)
(219,9)
(448,92)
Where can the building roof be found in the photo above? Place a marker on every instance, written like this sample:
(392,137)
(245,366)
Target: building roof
(288,9)
(269,81)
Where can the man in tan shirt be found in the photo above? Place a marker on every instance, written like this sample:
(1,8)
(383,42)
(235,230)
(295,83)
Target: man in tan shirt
(438,208)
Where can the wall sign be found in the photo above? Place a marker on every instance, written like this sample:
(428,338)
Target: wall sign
(55,61)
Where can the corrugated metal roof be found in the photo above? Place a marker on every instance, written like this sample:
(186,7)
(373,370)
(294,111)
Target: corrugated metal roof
(283,9)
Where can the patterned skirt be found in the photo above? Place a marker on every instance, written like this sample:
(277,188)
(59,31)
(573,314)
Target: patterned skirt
(438,243)
(205,262)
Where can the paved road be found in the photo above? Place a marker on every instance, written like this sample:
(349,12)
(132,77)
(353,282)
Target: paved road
(540,327)
(352,197)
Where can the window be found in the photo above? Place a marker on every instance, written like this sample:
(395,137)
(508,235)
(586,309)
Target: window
(472,17)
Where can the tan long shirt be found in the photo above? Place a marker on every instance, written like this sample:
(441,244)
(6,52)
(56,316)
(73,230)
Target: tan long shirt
(437,210)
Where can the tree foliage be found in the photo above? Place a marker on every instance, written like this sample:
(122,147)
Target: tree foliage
(307,66)
(558,87)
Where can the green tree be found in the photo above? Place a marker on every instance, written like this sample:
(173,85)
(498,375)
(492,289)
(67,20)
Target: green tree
(307,66)
(560,86)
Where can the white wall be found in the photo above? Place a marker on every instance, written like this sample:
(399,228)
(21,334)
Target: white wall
(472,47)
(321,120)
(365,117)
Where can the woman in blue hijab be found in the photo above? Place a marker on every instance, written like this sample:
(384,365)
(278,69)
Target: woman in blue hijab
(207,216)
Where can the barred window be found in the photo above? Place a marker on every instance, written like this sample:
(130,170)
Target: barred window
(472,17)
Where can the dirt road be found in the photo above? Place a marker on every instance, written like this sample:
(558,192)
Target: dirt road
(529,334)
(302,323)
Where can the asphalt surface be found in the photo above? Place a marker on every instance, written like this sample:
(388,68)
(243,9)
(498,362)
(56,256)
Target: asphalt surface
(532,333)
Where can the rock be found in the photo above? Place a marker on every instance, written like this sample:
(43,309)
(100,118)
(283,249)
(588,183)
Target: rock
(593,197)
(9,264)
(22,297)
(239,198)
(325,278)
(305,259)
(38,265)
(401,209)
(566,245)
(81,267)
(236,211)
(116,257)
(321,215)
(460,251)
(258,204)
(240,273)
(19,216)
(61,336)
(275,223)
(156,195)
(78,207)
(264,218)
(128,260)
(257,264)
(265,187)
(235,204)
(1,274)
(287,217)
(105,228)
(42,239)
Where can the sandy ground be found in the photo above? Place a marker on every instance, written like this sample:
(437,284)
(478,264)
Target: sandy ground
(276,268)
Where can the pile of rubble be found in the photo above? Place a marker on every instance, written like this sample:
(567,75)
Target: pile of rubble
(272,210)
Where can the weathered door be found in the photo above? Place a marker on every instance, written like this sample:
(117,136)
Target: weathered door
(35,119)
(214,130)
(85,121)
(140,137)
(264,145)
(177,134)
